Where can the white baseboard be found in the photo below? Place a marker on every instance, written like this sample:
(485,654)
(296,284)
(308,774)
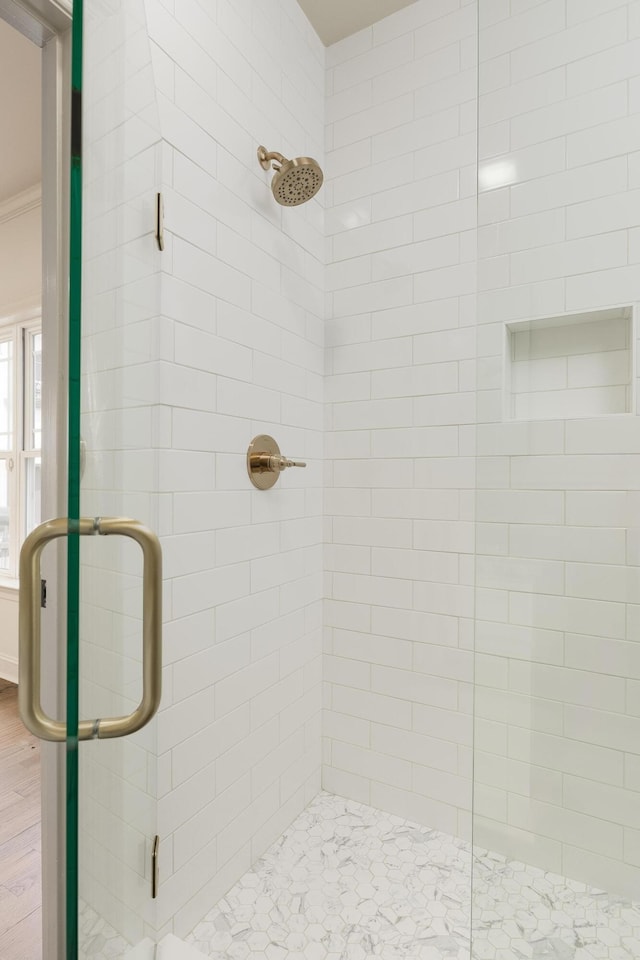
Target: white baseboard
(8,668)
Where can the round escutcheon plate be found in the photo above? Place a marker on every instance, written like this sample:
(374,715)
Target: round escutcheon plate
(260,475)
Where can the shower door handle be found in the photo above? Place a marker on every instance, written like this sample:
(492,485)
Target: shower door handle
(29,692)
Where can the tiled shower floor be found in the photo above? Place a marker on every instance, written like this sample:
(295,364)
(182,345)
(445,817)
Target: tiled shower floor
(347,882)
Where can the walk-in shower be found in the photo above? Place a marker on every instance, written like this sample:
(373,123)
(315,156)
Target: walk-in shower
(400,713)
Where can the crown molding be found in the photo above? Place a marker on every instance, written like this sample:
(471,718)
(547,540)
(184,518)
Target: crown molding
(39,20)
(21,203)
(20,311)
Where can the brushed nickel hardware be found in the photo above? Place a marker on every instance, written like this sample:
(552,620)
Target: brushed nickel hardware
(296,181)
(265,463)
(266,157)
(29,694)
(160,221)
(155,868)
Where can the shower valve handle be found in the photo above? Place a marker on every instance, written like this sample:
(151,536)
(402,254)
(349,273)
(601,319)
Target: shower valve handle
(281,463)
(265,463)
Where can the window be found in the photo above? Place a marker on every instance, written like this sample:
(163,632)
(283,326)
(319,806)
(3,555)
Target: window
(20,438)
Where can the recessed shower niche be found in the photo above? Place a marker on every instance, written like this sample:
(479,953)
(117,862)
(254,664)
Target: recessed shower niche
(565,367)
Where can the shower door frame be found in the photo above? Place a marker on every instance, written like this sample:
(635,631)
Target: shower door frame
(47,23)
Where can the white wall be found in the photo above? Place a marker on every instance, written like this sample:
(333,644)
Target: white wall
(20,253)
(243,298)
(558,734)
(9,634)
(401,222)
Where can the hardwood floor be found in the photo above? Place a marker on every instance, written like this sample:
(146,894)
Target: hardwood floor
(20,872)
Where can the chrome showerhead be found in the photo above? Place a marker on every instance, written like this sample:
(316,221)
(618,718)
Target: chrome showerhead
(296,181)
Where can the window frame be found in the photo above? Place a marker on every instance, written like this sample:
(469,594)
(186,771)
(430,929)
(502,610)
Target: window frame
(21,327)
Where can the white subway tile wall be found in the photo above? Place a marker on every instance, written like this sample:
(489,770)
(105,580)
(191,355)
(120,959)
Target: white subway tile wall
(366,298)
(558,591)
(239,748)
(400,475)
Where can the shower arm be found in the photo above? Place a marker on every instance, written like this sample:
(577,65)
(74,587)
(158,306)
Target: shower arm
(266,158)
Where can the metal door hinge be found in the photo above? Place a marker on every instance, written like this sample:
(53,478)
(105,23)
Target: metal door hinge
(160,221)
(155,867)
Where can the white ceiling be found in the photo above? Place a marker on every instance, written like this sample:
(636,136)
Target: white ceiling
(335,19)
(20,163)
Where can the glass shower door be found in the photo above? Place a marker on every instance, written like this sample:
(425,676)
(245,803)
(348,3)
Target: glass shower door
(557,734)
(114,571)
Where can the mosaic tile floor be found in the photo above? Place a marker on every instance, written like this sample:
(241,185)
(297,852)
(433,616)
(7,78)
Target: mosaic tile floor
(96,939)
(520,912)
(347,882)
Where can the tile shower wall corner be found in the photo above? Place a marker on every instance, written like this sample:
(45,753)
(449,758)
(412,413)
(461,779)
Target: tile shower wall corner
(401,225)
(243,297)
